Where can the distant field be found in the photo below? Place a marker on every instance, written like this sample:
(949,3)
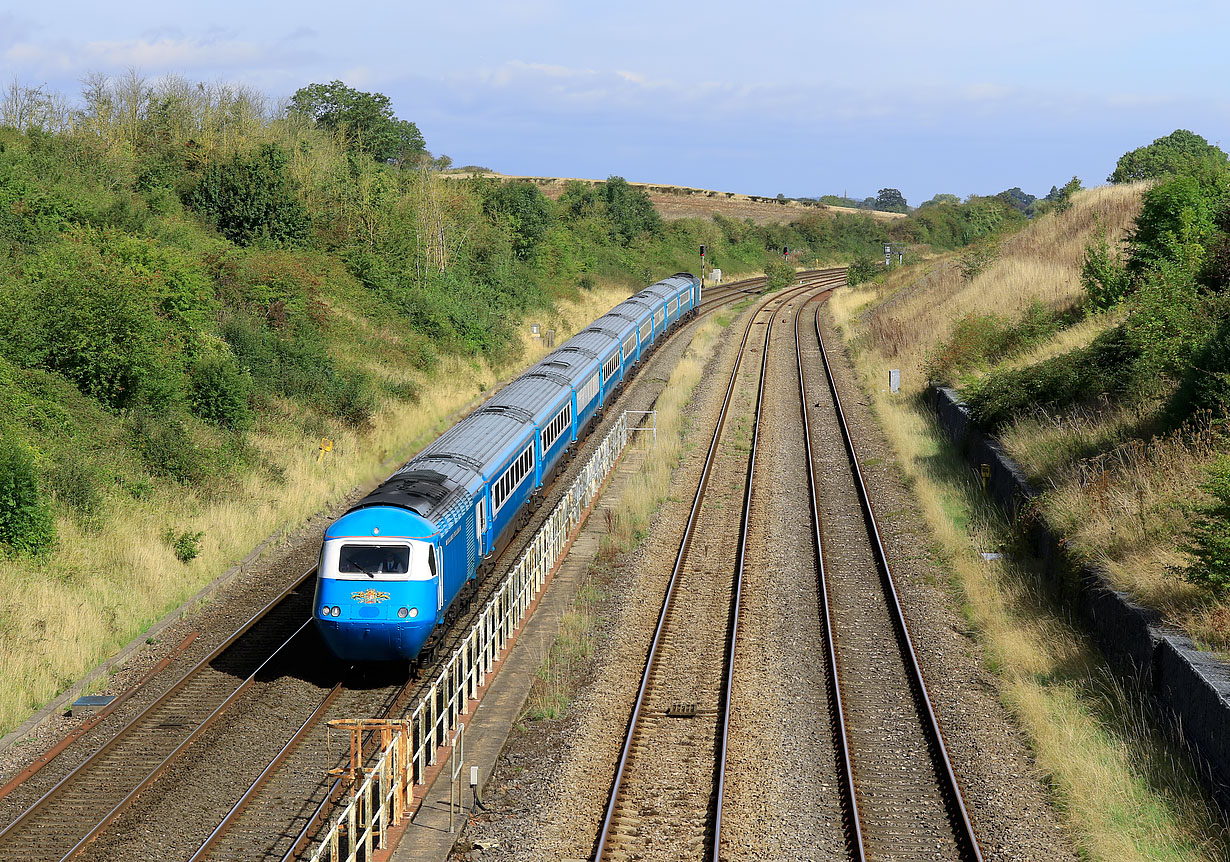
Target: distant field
(676,202)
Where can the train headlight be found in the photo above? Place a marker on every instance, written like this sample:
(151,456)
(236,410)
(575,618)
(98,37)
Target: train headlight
(414,612)
(403,612)
(324,612)
(335,611)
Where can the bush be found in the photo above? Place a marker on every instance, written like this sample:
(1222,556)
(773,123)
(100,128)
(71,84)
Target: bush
(166,447)
(1205,388)
(219,391)
(1102,368)
(981,339)
(778,274)
(864,268)
(1103,274)
(251,198)
(26,523)
(1208,544)
(187,545)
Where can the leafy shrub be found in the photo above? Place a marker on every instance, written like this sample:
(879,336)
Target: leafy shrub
(100,329)
(251,197)
(980,339)
(166,447)
(187,545)
(77,485)
(778,274)
(1208,545)
(1179,152)
(1103,274)
(220,391)
(864,268)
(523,209)
(977,258)
(1080,375)
(1205,387)
(26,524)
(1177,218)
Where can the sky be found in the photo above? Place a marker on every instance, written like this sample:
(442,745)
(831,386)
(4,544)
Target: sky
(796,98)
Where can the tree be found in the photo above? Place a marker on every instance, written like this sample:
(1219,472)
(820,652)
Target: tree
(1177,153)
(364,120)
(1018,199)
(891,201)
(942,198)
(629,210)
(523,208)
(251,197)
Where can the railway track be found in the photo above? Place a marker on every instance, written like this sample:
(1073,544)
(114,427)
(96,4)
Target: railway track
(899,791)
(117,764)
(666,795)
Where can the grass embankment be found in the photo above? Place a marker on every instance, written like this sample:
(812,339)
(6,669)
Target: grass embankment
(563,668)
(1119,468)
(111,579)
(1124,792)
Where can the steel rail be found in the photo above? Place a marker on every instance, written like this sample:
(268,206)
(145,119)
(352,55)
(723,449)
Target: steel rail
(964,829)
(238,808)
(734,290)
(839,725)
(681,555)
(149,779)
(175,688)
(736,602)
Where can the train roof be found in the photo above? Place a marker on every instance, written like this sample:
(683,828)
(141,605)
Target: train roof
(574,364)
(438,490)
(601,343)
(619,325)
(541,395)
(635,307)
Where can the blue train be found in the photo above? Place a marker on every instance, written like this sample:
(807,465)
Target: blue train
(407,556)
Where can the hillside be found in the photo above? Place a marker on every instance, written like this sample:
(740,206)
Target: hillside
(682,202)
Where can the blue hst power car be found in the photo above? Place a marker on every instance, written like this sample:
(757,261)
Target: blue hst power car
(403,560)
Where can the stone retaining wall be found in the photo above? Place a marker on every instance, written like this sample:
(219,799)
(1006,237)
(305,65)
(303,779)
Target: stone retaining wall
(1188,685)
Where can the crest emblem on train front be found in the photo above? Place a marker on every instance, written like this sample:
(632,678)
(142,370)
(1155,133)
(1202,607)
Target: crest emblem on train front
(370,597)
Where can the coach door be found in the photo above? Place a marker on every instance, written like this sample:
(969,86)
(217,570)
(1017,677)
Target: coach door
(480,521)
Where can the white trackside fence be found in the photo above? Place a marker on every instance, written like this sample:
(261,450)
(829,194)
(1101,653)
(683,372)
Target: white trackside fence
(381,799)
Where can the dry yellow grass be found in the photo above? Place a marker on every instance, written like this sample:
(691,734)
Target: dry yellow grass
(1124,794)
(104,585)
(915,311)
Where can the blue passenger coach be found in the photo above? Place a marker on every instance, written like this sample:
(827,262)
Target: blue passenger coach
(403,561)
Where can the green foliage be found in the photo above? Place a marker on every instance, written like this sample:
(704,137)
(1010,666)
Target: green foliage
(891,201)
(94,324)
(1168,322)
(941,198)
(976,258)
(864,268)
(219,391)
(166,447)
(187,545)
(629,211)
(251,198)
(26,524)
(1177,218)
(297,364)
(1208,544)
(1180,152)
(778,274)
(1205,385)
(524,210)
(1103,274)
(1079,376)
(1018,200)
(979,340)
(364,120)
